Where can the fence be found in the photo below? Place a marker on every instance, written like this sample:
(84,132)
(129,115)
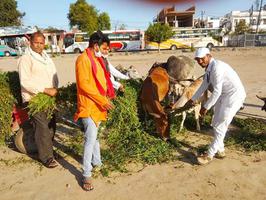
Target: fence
(247,40)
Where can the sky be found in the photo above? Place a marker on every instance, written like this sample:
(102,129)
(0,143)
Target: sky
(135,14)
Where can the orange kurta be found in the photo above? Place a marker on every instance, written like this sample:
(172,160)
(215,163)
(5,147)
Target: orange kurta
(90,101)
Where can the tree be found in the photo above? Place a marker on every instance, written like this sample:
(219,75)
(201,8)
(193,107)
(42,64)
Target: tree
(10,16)
(51,29)
(122,27)
(241,28)
(104,21)
(84,16)
(159,33)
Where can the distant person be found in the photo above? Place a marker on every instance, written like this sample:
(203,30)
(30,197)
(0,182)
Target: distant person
(94,93)
(113,71)
(228,95)
(38,74)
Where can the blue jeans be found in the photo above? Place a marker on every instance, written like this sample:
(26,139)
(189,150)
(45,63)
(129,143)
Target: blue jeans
(91,154)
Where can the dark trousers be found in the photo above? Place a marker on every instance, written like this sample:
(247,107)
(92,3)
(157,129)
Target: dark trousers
(44,134)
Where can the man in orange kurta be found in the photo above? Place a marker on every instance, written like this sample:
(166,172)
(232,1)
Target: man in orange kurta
(94,91)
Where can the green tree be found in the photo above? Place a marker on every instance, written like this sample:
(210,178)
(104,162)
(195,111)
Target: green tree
(159,33)
(52,29)
(84,16)
(122,27)
(10,16)
(104,21)
(241,28)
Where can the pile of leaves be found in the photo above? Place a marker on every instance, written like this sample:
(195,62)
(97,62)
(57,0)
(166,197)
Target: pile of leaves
(123,137)
(251,136)
(6,101)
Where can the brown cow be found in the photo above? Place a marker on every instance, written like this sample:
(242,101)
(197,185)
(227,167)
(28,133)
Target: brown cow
(154,89)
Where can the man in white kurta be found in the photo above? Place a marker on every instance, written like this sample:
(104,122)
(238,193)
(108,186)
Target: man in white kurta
(38,74)
(116,74)
(227,97)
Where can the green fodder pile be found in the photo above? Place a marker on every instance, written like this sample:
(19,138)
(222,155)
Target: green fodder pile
(251,135)
(6,101)
(123,137)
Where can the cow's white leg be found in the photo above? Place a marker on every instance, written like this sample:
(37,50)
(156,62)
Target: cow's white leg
(197,115)
(184,115)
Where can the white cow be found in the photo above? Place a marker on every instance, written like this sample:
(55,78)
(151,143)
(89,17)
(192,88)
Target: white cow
(186,93)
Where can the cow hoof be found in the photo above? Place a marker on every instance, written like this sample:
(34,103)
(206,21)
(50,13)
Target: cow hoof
(166,139)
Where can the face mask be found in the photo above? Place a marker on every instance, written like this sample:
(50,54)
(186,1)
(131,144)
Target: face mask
(98,54)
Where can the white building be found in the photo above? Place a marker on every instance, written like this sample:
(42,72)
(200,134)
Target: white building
(212,22)
(250,17)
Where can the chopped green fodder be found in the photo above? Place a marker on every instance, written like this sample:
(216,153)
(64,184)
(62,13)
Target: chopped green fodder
(251,135)
(6,101)
(123,137)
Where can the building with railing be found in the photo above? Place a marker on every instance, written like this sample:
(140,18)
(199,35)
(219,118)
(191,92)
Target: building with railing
(254,19)
(175,18)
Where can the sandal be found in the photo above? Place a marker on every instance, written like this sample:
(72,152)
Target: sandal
(51,163)
(87,185)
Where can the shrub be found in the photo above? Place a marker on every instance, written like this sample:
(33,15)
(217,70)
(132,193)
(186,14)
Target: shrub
(6,101)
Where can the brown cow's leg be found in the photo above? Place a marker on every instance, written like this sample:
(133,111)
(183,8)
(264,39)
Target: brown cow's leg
(158,123)
(166,132)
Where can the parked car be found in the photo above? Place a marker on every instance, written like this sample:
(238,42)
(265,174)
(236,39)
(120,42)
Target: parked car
(7,51)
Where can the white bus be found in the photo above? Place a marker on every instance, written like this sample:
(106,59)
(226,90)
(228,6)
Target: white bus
(120,40)
(76,42)
(125,40)
(186,38)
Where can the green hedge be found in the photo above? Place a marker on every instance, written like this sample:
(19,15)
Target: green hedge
(7,101)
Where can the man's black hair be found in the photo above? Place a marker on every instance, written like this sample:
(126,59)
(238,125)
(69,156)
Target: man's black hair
(37,34)
(98,38)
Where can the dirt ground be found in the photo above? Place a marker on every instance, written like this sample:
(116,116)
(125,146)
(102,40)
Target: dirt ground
(239,176)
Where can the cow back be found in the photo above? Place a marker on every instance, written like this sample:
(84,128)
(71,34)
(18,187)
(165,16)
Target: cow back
(180,67)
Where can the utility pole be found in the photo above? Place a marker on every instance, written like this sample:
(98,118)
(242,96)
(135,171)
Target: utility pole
(259,16)
(201,21)
(251,17)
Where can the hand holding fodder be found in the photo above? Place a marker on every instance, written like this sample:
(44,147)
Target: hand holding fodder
(42,103)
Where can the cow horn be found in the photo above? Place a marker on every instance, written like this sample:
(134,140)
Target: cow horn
(261,98)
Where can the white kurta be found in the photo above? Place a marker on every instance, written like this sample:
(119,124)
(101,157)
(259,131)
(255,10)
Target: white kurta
(36,72)
(228,95)
(116,74)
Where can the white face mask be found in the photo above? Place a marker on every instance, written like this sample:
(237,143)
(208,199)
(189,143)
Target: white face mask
(98,54)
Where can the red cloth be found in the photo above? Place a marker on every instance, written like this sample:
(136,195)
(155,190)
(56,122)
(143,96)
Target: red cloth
(110,89)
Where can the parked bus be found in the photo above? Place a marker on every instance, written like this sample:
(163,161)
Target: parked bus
(125,40)
(120,40)
(75,42)
(14,39)
(186,38)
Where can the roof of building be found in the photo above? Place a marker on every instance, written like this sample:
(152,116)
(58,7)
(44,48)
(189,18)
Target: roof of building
(170,11)
(16,30)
